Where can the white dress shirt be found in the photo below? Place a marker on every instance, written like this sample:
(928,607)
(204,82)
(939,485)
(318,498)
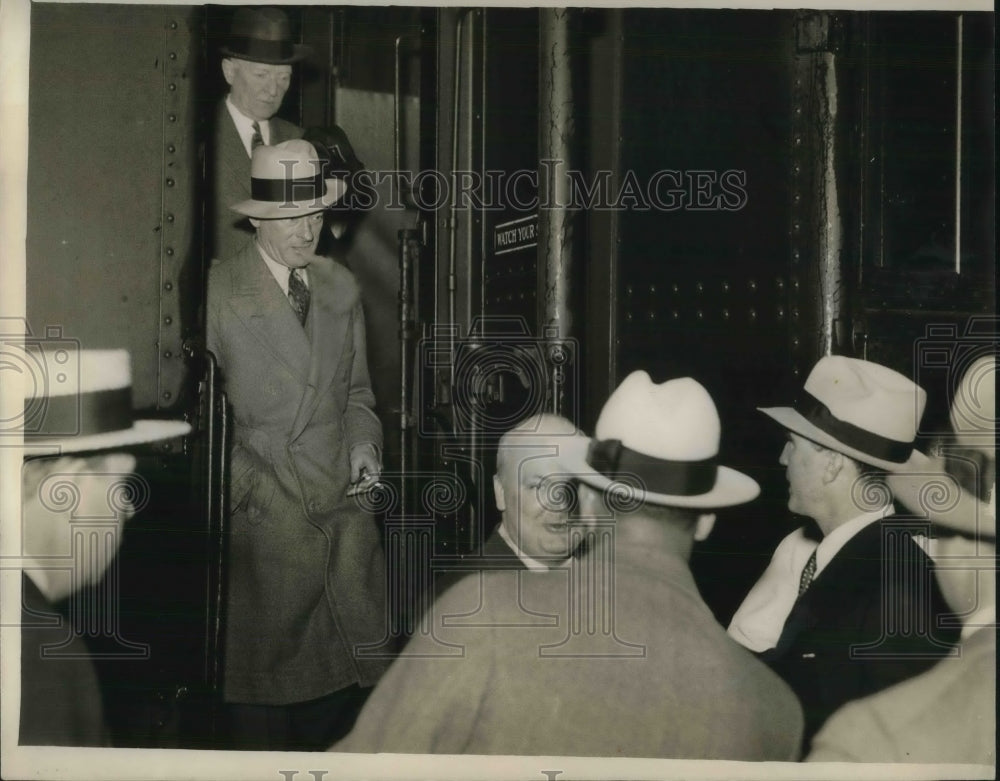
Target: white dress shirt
(759,621)
(244,126)
(280,272)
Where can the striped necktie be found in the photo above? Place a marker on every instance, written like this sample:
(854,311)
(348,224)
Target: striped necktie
(808,573)
(256,139)
(298,295)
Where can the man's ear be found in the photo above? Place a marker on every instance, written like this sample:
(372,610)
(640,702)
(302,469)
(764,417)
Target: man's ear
(255,222)
(498,493)
(703,526)
(229,69)
(834,466)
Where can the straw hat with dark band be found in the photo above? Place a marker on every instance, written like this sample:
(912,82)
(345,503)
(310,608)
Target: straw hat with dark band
(661,444)
(861,409)
(79,400)
(286,180)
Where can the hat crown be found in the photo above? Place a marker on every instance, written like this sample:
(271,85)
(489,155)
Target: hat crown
(869,396)
(674,421)
(296,159)
(263,24)
(973,412)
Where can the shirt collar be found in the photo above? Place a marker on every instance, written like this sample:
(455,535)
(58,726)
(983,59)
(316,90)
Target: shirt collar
(531,563)
(244,126)
(839,537)
(279,271)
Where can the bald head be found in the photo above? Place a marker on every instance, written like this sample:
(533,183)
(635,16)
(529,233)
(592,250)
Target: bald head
(530,485)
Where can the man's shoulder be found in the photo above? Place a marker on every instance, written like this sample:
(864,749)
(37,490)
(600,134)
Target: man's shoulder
(337,277)
(223,271)
(283,130)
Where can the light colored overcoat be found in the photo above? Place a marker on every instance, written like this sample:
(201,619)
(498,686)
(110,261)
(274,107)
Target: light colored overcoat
(581,661)
(306,576)
(947,714)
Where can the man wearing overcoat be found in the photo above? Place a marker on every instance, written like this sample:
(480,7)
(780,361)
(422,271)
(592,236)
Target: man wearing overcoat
(306,574)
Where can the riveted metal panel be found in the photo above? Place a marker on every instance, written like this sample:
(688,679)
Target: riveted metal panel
(705,286)
(111,253)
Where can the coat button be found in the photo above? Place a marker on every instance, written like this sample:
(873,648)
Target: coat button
(312,506)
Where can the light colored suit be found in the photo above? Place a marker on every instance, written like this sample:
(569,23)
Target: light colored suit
(306,570)
(230,179)
(947,714)
(668,683)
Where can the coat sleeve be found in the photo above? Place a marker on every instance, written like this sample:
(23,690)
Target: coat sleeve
(361,424)
(429,700)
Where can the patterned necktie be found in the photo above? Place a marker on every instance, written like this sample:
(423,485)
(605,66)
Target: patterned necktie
(256,139)
(298,295)
(808,573)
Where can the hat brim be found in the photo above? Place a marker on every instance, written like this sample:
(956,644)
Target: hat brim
(142,431)
(270,210)
(300,51)
(924,488)
(794,421)
(731,487)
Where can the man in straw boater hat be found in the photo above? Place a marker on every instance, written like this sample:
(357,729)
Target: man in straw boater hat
(858,610)
(650,673)
(306,584)
(76,486)
(947,714)
(257,64)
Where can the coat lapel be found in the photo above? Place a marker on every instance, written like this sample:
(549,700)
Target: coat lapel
(329,324)
(232,157)
(264,310)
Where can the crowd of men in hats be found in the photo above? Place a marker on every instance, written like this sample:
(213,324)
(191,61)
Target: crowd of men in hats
(586,634)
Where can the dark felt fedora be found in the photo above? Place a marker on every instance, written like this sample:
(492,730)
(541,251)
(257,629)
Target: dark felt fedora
(263,35)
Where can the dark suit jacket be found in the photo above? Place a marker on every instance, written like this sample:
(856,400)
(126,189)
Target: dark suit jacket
(61,701)
(306,570)
(869,620)
(230,178)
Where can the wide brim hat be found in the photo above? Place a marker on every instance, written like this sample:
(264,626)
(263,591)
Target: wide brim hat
(263,35)
(973,413)
(659,443)
(79,400)
(286,180)
(861,409)
(924,487)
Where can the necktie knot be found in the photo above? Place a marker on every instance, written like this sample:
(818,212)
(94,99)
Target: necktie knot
(256,139)
(808,573)
(298,295)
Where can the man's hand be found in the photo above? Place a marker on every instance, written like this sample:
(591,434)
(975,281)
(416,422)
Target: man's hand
(364,457)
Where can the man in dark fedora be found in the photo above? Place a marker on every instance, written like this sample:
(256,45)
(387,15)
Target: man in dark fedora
(77,493)
(306,584)
(624,658)
(257,65)
(857,610)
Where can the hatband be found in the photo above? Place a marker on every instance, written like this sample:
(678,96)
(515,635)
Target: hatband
(853,436)
(681,478)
